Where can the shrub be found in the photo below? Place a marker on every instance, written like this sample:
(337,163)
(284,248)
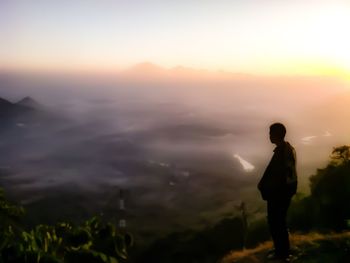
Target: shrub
(91,241)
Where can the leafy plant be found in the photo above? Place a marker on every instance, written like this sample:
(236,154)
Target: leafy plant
(92,241)
(326,208)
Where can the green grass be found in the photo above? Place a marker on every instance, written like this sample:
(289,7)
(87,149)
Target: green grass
(310,248)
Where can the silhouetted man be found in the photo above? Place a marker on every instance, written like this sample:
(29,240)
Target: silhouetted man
(277,186)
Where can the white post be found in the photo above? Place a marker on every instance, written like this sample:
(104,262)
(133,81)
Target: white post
(122,220)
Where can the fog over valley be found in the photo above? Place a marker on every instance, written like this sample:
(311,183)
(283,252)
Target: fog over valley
(186,146)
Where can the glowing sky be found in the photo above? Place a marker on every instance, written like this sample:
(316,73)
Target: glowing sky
(253,36)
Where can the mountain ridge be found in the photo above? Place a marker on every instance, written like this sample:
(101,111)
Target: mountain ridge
(8,108)
(151,70)
(28,102)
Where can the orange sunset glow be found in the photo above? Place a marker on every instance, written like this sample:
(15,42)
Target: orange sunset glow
(274,38)
(174,131)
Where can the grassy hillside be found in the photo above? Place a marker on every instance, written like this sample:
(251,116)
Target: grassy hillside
(310,248)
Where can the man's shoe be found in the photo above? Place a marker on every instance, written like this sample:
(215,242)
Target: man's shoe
(271,252)
(274,257)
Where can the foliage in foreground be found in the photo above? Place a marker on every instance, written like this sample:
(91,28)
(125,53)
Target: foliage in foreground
(91,241)
(327,207)
(206,246)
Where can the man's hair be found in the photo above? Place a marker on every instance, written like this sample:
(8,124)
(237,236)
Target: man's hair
(278,129)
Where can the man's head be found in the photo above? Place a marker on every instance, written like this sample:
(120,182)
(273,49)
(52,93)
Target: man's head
(277,133)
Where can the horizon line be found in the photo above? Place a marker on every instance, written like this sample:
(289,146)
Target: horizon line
(148,65)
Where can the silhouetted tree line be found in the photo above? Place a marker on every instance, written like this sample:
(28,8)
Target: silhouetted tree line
(326,208)
(206,246)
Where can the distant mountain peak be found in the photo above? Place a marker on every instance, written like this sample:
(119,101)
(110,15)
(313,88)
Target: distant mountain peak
(4,102)
(146,64)
(8,110)
(28,102)
(146,67)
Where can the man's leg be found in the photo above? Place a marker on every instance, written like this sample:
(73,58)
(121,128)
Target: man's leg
(277,220)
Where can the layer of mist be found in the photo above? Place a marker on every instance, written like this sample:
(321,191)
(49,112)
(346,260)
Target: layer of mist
(186,146)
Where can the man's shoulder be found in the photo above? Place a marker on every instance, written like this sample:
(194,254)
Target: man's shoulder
(286,147)
(289,147)
(289,151)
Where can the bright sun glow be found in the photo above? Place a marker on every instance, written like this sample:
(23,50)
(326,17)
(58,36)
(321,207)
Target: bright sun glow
(258,37)
(325,43)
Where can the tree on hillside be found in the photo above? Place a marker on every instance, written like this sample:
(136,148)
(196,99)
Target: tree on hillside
(330,190)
